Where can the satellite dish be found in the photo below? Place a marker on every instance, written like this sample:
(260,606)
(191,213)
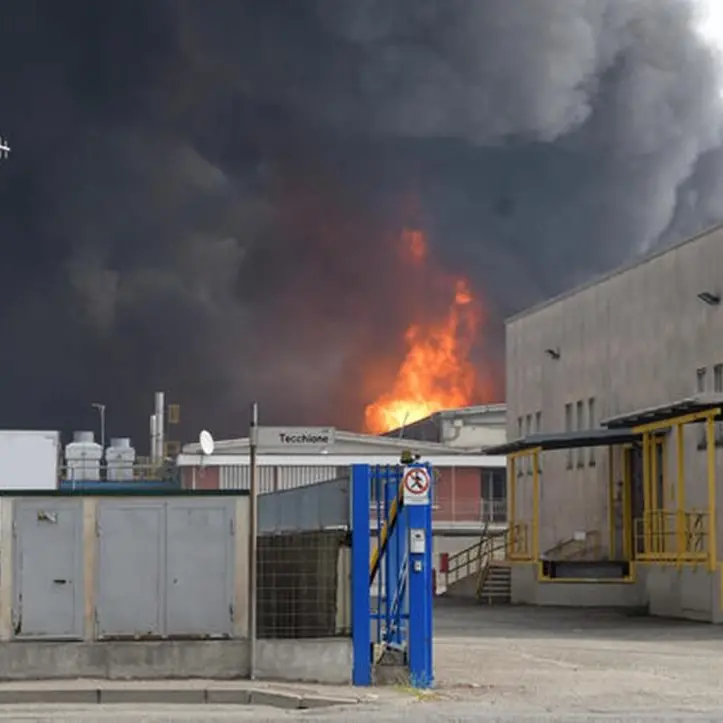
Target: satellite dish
(205,439)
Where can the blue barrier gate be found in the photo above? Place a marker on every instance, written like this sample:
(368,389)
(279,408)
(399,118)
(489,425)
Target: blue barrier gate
(392,581)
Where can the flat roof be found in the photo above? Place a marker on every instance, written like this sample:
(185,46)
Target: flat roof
(600,278)
(566,440)
(690,405)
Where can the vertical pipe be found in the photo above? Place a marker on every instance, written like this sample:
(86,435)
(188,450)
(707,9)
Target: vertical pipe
(360,554)
(680,492)
(712,512)
(646,493)
(611,505)
(511,501)
(535,505)
(154,442)
(160,425)
(253,519)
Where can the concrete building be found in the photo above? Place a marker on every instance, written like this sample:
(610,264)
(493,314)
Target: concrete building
(468,492)
(472,428)
(614,392)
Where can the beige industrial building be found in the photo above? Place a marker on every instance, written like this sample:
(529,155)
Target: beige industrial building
(614,397)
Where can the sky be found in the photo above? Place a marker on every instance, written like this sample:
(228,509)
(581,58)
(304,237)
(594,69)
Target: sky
(206,196)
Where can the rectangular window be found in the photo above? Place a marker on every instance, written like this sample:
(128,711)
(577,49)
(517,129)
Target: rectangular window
(528,432)
(538,430)
(700,388)
(700,380)
(568,428)
(580,427)
(520,434)
(494,495)
(592,423)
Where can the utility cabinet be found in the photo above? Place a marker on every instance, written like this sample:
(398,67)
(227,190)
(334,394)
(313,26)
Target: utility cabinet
(165,568)
(48,569)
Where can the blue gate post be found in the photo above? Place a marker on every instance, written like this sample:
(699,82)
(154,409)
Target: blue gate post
(360,594)
(419,529)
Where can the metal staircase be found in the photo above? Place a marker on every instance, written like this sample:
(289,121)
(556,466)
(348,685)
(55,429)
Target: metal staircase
(480,571)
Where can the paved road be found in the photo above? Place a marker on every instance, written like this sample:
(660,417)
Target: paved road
(511,664)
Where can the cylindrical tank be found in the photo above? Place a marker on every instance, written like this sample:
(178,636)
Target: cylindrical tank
(119,459)
(82,458)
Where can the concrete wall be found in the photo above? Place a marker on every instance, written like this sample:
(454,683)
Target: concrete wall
(633,340)
(690,593)
(327,660)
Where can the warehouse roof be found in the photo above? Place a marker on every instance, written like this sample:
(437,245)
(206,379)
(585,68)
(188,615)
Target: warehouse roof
(690,405)
(638,261)
(240,445)
(566,440)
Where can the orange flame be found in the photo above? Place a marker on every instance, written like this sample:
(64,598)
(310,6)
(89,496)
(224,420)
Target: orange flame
(436,373)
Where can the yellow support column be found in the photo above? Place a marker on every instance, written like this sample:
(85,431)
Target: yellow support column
(535,505)
(654,504)
(680,492)
(628,532)
(712,517)
(511,500)
(611,504)
(647,548)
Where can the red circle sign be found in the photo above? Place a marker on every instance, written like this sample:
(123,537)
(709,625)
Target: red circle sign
(416,481)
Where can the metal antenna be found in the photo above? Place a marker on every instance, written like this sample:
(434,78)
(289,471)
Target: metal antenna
(4,148)
(404,424)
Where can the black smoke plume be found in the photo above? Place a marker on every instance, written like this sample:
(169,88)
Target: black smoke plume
(205,196)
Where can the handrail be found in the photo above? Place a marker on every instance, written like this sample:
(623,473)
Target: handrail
(673,536)
(591,543)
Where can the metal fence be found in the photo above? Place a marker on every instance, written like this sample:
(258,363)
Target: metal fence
(303,561)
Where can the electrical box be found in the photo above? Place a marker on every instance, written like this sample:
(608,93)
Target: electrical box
(417,542)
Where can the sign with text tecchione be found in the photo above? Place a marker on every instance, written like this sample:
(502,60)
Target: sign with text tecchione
(296,439)
(416,483)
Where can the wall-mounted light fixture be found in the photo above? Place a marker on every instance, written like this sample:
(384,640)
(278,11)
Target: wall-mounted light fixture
(553,353)
(710,298)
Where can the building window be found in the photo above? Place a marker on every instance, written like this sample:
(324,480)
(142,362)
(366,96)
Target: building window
(528,432)
(538,430)
(494,495)
(718,389)
(580,427)
(520,433)
(568,428)
(700,385)
(592,422)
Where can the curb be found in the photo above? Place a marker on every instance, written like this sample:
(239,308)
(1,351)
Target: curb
(170,696)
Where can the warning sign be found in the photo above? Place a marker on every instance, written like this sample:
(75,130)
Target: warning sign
(416,483)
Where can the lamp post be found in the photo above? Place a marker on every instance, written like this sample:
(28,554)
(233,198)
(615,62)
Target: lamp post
(101,412)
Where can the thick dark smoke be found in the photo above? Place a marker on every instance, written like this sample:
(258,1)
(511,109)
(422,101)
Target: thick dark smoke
(205,196)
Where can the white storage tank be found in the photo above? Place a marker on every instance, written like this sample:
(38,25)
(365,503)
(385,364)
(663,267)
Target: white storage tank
(82,458)
(119,459)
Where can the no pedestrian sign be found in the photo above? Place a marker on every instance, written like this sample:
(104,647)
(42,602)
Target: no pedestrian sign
(416,484)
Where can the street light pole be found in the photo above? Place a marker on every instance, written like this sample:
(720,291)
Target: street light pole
(101,412)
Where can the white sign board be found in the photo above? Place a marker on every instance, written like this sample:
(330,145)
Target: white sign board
(295,439)
(416,484)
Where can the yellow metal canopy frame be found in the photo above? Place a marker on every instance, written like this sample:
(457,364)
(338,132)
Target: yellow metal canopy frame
(693,531)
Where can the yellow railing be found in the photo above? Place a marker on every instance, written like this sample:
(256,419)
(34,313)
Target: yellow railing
(477,559)
(518,542)
(672,536)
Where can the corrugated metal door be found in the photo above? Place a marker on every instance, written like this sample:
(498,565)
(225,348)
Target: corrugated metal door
(199,568)
(130,569)
(48,562)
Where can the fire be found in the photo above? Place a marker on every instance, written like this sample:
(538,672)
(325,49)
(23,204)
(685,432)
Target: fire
(436,373)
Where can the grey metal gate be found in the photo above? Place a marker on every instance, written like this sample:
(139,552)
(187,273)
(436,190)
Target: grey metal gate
(199,568)
(48,569)
(130,569)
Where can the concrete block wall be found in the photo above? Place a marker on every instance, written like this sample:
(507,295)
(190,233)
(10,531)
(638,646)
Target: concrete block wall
(632,340)
(325,660)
